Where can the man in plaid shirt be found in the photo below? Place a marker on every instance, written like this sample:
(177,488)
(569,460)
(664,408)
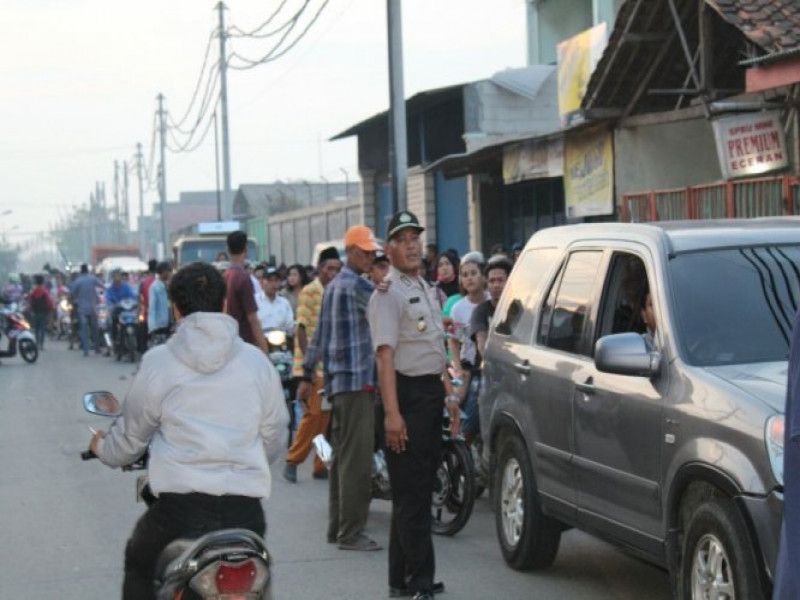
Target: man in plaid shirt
(342,341)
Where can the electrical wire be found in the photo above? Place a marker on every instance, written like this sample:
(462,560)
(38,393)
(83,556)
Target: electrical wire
(186,147)
(291,23)
(199,81)
(201,113)
(237,32)
(207,100)
(275,53)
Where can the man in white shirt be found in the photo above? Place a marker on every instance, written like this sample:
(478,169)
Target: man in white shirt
(274,311)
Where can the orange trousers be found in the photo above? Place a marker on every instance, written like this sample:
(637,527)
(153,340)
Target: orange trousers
(313,422)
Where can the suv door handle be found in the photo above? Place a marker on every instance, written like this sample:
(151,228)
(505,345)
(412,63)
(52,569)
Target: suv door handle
(523,368)
(587,388)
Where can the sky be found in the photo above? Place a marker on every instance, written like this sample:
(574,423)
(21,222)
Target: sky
(80,80)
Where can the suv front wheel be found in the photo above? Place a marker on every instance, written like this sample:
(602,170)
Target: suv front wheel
(718,560)
(528,538)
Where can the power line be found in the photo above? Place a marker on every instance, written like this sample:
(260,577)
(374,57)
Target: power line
(275,53)
(186,147)
(207,103)
(233,29)
(199,82)
(208,95)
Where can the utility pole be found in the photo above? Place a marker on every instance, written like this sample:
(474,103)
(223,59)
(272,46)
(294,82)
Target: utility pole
(116,200)
(216,169)
(223,94)
(398,150)
(162,183)
(126,203)
(140,224)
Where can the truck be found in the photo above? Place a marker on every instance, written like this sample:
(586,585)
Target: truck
(103,251)
(209,245)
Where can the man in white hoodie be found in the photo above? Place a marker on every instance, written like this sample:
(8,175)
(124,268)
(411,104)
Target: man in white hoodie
(210,409)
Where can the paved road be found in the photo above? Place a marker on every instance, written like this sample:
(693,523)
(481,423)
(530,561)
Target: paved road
(64,522)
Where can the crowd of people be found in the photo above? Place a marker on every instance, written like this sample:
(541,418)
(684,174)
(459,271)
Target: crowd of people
(384,339)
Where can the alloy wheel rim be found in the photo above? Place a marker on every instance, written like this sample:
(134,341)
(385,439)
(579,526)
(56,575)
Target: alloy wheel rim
(512,509)
(712,575)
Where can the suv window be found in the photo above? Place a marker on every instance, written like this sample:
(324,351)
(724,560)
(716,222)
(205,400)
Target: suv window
(568,303)
(516,313)
(736,305)
(624,297)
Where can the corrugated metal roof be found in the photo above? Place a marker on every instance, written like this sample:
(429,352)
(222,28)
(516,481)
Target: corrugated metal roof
(526,81)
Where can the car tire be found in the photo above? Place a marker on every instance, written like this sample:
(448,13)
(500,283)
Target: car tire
(717,555)
(528,538)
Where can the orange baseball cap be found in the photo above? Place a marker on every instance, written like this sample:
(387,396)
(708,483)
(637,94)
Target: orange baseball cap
(361,236)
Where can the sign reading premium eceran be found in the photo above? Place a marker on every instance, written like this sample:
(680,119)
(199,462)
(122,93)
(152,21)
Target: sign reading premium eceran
(750,144)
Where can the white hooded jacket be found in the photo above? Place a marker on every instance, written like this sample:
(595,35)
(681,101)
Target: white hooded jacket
(211,409)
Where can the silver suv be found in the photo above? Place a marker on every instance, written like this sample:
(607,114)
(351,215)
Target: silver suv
(668,439)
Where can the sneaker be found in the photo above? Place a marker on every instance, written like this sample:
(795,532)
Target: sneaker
(361,544)
(290,473)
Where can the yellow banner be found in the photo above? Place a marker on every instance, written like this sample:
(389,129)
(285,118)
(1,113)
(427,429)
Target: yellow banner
(589,173)
(577,58)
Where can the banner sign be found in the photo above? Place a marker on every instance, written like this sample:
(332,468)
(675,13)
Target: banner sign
(589,173)
(577,57)
(750,144)
(533,159)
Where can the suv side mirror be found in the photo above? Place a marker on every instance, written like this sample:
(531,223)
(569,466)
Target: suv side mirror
(626,354)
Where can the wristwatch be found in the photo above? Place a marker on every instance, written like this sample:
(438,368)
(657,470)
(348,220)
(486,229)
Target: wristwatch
(452,399)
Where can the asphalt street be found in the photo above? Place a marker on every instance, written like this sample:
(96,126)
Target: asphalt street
(64,522)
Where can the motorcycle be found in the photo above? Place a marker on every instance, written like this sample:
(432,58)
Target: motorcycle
(281,356)
(229,564)
(127,324)
(454,483)
(66,321)
(18,331)
(103,328)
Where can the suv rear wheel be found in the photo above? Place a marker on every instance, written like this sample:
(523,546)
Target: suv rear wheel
(717,559)
(528,539)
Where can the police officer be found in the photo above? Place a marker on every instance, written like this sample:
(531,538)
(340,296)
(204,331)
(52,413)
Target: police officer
(406,327)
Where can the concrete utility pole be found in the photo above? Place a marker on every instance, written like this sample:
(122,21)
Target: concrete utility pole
(116,199)
(223,94)
(140,224)
(533,31)
(162,183)
(398,144)
(125,195)
(216,169)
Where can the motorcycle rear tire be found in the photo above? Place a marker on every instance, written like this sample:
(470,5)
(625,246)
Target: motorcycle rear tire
(130,343)
(454,495)
(28,351)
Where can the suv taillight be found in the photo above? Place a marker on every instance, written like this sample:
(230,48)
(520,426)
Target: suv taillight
(231,581)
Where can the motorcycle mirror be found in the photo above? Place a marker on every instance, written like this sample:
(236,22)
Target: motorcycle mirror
(104,404)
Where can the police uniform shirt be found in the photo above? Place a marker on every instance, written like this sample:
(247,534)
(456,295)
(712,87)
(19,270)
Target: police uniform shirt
(408,318)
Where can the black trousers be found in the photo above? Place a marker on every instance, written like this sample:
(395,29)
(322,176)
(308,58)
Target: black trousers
(174,516)
(411,559)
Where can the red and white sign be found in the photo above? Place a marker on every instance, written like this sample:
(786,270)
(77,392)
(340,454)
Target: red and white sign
(750,144)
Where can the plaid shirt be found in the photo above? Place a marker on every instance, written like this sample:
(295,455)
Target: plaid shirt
(342,339)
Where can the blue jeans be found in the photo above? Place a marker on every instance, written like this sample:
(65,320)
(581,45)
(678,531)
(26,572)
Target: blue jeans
(471,421)
(88,324)
(40,328)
